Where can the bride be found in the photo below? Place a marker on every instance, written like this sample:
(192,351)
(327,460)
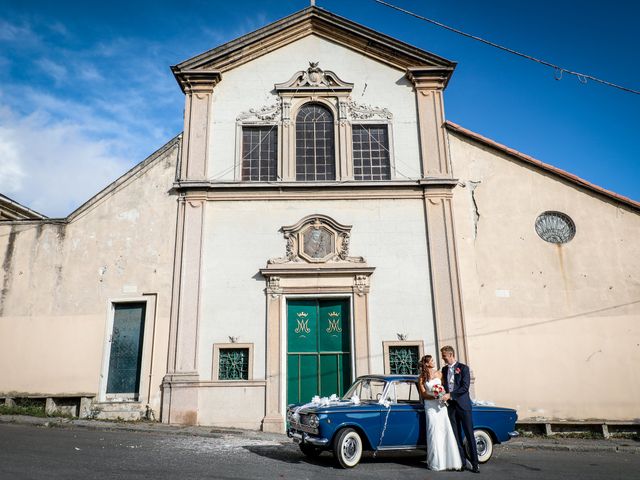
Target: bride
(442,448)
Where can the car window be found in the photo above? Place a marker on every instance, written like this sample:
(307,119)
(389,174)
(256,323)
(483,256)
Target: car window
(403,392)
(367,390)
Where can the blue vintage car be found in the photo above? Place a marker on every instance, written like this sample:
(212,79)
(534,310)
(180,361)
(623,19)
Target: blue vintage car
(388,415)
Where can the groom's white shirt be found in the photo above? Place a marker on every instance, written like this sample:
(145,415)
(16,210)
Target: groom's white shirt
(450,378)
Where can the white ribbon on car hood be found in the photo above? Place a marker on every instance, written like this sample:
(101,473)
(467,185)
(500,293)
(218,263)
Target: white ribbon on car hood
(318,401)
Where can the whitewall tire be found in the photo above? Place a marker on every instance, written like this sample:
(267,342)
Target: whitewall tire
(484,445)
(347,448)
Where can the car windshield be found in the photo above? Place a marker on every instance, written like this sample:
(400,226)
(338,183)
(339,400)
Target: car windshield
(367,390)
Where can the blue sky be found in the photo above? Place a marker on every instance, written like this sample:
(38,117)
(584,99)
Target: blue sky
(86,91)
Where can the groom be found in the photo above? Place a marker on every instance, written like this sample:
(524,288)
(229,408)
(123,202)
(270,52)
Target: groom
(457,380)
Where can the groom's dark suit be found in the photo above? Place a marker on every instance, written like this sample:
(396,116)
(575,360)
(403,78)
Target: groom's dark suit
(459,408)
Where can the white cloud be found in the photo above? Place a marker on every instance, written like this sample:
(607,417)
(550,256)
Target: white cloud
(55,70)
(20,35)
(52,166)
(11,171)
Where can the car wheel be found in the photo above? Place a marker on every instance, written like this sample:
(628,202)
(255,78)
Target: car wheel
(347,448)
(484,445)
(310,451)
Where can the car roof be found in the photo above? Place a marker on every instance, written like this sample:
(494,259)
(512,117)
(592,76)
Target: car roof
(389,378)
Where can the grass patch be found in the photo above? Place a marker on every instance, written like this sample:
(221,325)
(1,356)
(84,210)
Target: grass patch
(29,407)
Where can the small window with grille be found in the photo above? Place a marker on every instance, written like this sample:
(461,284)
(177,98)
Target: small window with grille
(233,363)
(371,159)
(259,153)
(403,359)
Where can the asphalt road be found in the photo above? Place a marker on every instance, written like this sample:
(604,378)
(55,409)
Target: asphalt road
(28,452)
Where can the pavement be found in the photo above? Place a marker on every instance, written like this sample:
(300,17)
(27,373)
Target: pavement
(566,444)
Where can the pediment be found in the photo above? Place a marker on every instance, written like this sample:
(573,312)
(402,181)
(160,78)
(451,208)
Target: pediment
(314,21)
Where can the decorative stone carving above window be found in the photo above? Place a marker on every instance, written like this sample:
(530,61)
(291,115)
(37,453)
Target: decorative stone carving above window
(267,113)
(314,78)
(367,112)
(317,239)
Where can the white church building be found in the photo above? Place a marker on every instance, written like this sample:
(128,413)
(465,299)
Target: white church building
(320,219)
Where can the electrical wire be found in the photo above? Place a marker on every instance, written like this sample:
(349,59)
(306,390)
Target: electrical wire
(582,77)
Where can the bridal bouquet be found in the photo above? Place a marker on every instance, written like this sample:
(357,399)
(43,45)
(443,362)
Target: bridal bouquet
(438,391)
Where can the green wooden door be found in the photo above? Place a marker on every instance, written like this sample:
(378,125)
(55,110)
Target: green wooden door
(318,349)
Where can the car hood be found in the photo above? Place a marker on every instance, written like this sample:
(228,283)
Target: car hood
(336,408)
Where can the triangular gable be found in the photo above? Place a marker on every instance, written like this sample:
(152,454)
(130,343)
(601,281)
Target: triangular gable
(320,22)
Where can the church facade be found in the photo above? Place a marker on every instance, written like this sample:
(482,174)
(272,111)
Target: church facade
(317,220)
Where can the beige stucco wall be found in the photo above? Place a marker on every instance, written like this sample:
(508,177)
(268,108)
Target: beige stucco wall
(553,331)
(58,282)
(251,85)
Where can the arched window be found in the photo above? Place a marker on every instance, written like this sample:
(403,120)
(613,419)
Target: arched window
(315,144)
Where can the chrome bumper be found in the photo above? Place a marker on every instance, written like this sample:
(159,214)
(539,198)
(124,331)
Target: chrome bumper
(513,434)
(302,437)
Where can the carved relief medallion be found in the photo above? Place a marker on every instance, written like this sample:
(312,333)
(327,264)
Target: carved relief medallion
(317,239)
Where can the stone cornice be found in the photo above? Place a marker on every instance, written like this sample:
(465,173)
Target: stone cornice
(196,81)
(320,22)
(310,269)
(231,191)
(429,78)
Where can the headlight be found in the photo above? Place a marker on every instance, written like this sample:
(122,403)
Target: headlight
(314,421)
(289,414)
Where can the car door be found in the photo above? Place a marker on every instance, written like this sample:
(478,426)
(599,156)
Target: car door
(403,420)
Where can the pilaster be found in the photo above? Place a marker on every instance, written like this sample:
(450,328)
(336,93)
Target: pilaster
(198,88)
(180,394)
(445,280)
(429,83)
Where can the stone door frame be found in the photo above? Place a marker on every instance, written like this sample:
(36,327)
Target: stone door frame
(296,281)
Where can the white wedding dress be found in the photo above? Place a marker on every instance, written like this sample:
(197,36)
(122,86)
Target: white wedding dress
(442,448)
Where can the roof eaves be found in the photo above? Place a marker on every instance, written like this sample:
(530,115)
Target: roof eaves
(19,209)
(543,166)
(374,39)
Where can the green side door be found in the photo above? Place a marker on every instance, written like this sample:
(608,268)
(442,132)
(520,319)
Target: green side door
(318,348)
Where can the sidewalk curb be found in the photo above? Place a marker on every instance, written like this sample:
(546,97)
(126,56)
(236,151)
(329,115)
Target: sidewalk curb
(565,444)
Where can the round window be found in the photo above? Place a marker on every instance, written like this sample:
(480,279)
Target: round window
(555,227)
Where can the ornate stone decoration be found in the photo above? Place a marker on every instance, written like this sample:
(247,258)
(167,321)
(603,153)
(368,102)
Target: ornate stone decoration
(361,284)
(317,239)
(273,286)
(267,113)
(367,112)
(314,78)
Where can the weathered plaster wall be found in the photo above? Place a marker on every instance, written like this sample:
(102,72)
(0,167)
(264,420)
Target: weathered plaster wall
(58,280)
(252,86)
(241,236)
(553,330)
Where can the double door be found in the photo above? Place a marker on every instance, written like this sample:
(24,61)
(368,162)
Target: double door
(318,348)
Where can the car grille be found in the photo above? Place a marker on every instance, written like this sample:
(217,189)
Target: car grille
(303,424)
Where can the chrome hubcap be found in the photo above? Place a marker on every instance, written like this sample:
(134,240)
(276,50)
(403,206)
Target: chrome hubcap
(481,446)
(350,448)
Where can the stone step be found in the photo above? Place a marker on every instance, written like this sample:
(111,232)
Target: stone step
(118,411)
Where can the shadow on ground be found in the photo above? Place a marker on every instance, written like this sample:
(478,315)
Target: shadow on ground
(292,455)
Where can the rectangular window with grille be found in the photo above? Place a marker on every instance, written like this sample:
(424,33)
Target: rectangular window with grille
(260,153)
(233,364)
(371,159)
(403,360)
